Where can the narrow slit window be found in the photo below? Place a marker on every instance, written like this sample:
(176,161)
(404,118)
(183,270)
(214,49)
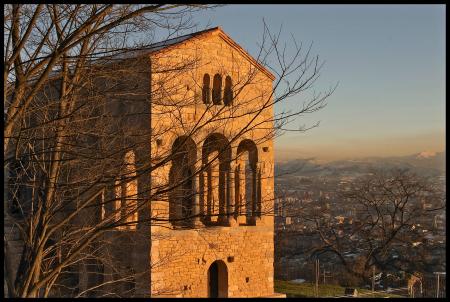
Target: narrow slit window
(228,92)
(217,90)
(206,90)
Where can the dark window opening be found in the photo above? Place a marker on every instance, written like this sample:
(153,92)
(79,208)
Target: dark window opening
(206,90)
(228,92)
(217,90)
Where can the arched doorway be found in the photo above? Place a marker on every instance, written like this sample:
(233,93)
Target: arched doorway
(218,280)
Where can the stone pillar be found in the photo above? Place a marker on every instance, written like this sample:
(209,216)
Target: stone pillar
(202,196)
(254,201)
(242,207)
(196,222)
(215,181)
(230,197)
(259,171)
(223,180)
(208,191)
(258,189)
(254,190)
(236,192)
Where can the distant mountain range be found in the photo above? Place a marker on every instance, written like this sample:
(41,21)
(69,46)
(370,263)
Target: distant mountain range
(423,163)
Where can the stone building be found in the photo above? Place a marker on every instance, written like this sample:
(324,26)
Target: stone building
(212,229)
(226,250)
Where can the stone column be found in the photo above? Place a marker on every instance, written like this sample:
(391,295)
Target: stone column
(259,218)
(230,197)
(254,190)
(223,197)
(254,202)
(236,192)
(196,222)
(202,196)
(208,191)
(258,189)
(241,198)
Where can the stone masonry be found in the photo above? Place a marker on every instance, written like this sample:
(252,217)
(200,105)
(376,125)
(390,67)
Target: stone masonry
(181,258)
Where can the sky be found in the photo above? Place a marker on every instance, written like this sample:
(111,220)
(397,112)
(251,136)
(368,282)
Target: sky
(389,61)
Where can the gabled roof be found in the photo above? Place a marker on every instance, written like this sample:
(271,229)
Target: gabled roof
(170,43)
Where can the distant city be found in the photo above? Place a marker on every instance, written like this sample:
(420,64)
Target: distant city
(304,185)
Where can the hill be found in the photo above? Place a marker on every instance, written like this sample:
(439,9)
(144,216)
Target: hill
(424,163)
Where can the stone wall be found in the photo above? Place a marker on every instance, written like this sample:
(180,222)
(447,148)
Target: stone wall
(186,255)
(180,259)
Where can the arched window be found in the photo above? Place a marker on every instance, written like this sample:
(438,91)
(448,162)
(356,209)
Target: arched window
(126,194)
(181,178)
(248,188)
(228,92)
(206,90)
(217,90)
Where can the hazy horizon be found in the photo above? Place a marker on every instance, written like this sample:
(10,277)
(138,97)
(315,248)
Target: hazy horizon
(284,155)
(388,146)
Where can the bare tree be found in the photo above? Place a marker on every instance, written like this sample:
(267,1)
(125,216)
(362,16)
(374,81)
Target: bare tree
(388,205)
(50,56)
(77,135)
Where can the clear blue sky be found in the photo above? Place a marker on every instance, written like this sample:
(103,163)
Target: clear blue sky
(389,61)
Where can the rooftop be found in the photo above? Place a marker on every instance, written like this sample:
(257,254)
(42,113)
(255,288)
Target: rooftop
(130,53)
(155,47)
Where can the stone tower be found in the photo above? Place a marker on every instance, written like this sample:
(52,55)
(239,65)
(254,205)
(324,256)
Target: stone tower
(225,248)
